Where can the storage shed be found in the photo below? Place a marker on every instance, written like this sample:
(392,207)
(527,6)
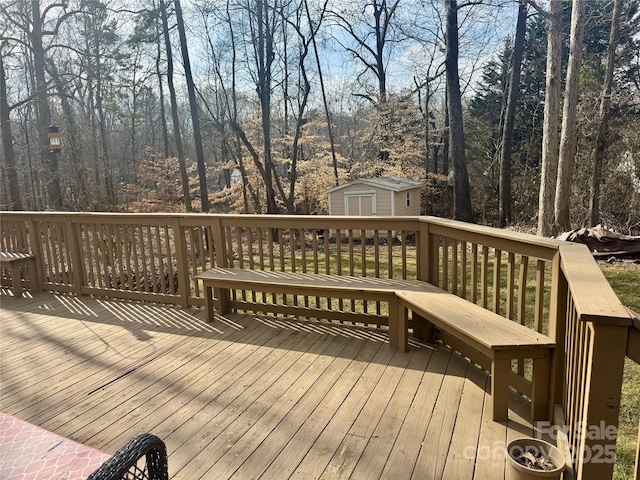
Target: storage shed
(389,196)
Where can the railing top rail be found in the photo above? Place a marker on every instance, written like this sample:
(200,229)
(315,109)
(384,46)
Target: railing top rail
(309,221)
(540,247)
(592,295)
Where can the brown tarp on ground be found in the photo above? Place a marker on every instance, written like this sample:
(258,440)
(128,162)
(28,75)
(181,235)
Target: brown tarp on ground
(604,243)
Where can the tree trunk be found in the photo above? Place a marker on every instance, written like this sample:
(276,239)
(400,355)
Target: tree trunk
(158,72)
(72,143)
(568,136)
(265,57)
(551,118)
(461,187)
(324,95)
(195,118)
(504,204)
(381,34)
(174,109)
(246,186)
(603,126)
(48,159)
(446,154)
(7,144)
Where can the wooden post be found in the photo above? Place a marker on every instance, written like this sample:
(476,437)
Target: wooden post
(36,250)
(500,368)
(605,364)
(77,258)
(223,296)
(557,313)
(221,259)
(398,325)
(637,472)
(422,250)
(184,284)
(419,325)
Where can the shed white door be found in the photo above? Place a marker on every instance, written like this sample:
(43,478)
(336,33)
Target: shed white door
(361,204)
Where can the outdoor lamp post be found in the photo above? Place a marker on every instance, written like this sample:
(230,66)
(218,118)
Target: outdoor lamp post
(55,144)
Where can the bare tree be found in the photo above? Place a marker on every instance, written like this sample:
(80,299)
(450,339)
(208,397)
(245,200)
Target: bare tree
(372,55)
(461,187)
(263,25)
(324,94)
(605,108)
(550,135)
(7,141)
(38,26)
(174,109)
(195,118)
(504,204)
(569,125)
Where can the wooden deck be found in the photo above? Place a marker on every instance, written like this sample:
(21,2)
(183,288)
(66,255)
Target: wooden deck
(249,396)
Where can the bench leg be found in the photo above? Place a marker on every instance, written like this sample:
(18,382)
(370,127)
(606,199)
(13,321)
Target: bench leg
(540,389)
(422,328)
(16,280)
(398,328)
(34,283)
(208,303)
(223,297)
(500,388)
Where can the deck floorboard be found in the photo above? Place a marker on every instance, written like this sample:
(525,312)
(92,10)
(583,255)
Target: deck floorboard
(249,396)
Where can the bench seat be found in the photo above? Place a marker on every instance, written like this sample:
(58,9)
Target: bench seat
(218,282)
(15,261)
(497,338)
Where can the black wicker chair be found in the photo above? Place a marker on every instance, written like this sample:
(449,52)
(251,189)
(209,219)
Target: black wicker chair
(144,457)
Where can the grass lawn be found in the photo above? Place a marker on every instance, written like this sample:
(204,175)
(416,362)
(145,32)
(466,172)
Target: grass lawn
(625,280)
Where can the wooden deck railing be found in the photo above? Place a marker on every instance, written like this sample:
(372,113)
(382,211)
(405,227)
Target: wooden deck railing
(633,352)
(547,285)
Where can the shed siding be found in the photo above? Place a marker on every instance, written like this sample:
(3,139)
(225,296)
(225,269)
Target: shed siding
(401,203)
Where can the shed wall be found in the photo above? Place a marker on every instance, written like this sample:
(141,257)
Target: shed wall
(401,203)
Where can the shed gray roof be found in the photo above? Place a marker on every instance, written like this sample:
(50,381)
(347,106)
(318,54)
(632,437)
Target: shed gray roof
(396,184)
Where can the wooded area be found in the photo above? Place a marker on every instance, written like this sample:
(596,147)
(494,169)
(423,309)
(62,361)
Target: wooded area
(512,112)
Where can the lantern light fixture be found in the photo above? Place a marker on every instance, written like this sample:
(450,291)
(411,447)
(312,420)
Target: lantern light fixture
(55,142)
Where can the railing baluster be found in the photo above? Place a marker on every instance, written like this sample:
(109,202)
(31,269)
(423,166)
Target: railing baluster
(484,273)
(136,257)
(497,271)
(376,254)
(339,262)
(511,259)
(261,258)
(403,256)
(464,266)
(454,266)
(53,244)
(540,280)
(390,253)
(316,264)
(250,254)
(303,257)
(474,273)
(351,262)
(87,249)
(327,260)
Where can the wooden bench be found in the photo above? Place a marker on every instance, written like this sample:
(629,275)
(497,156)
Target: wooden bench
(218,282)
(14,262)
(496,338)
